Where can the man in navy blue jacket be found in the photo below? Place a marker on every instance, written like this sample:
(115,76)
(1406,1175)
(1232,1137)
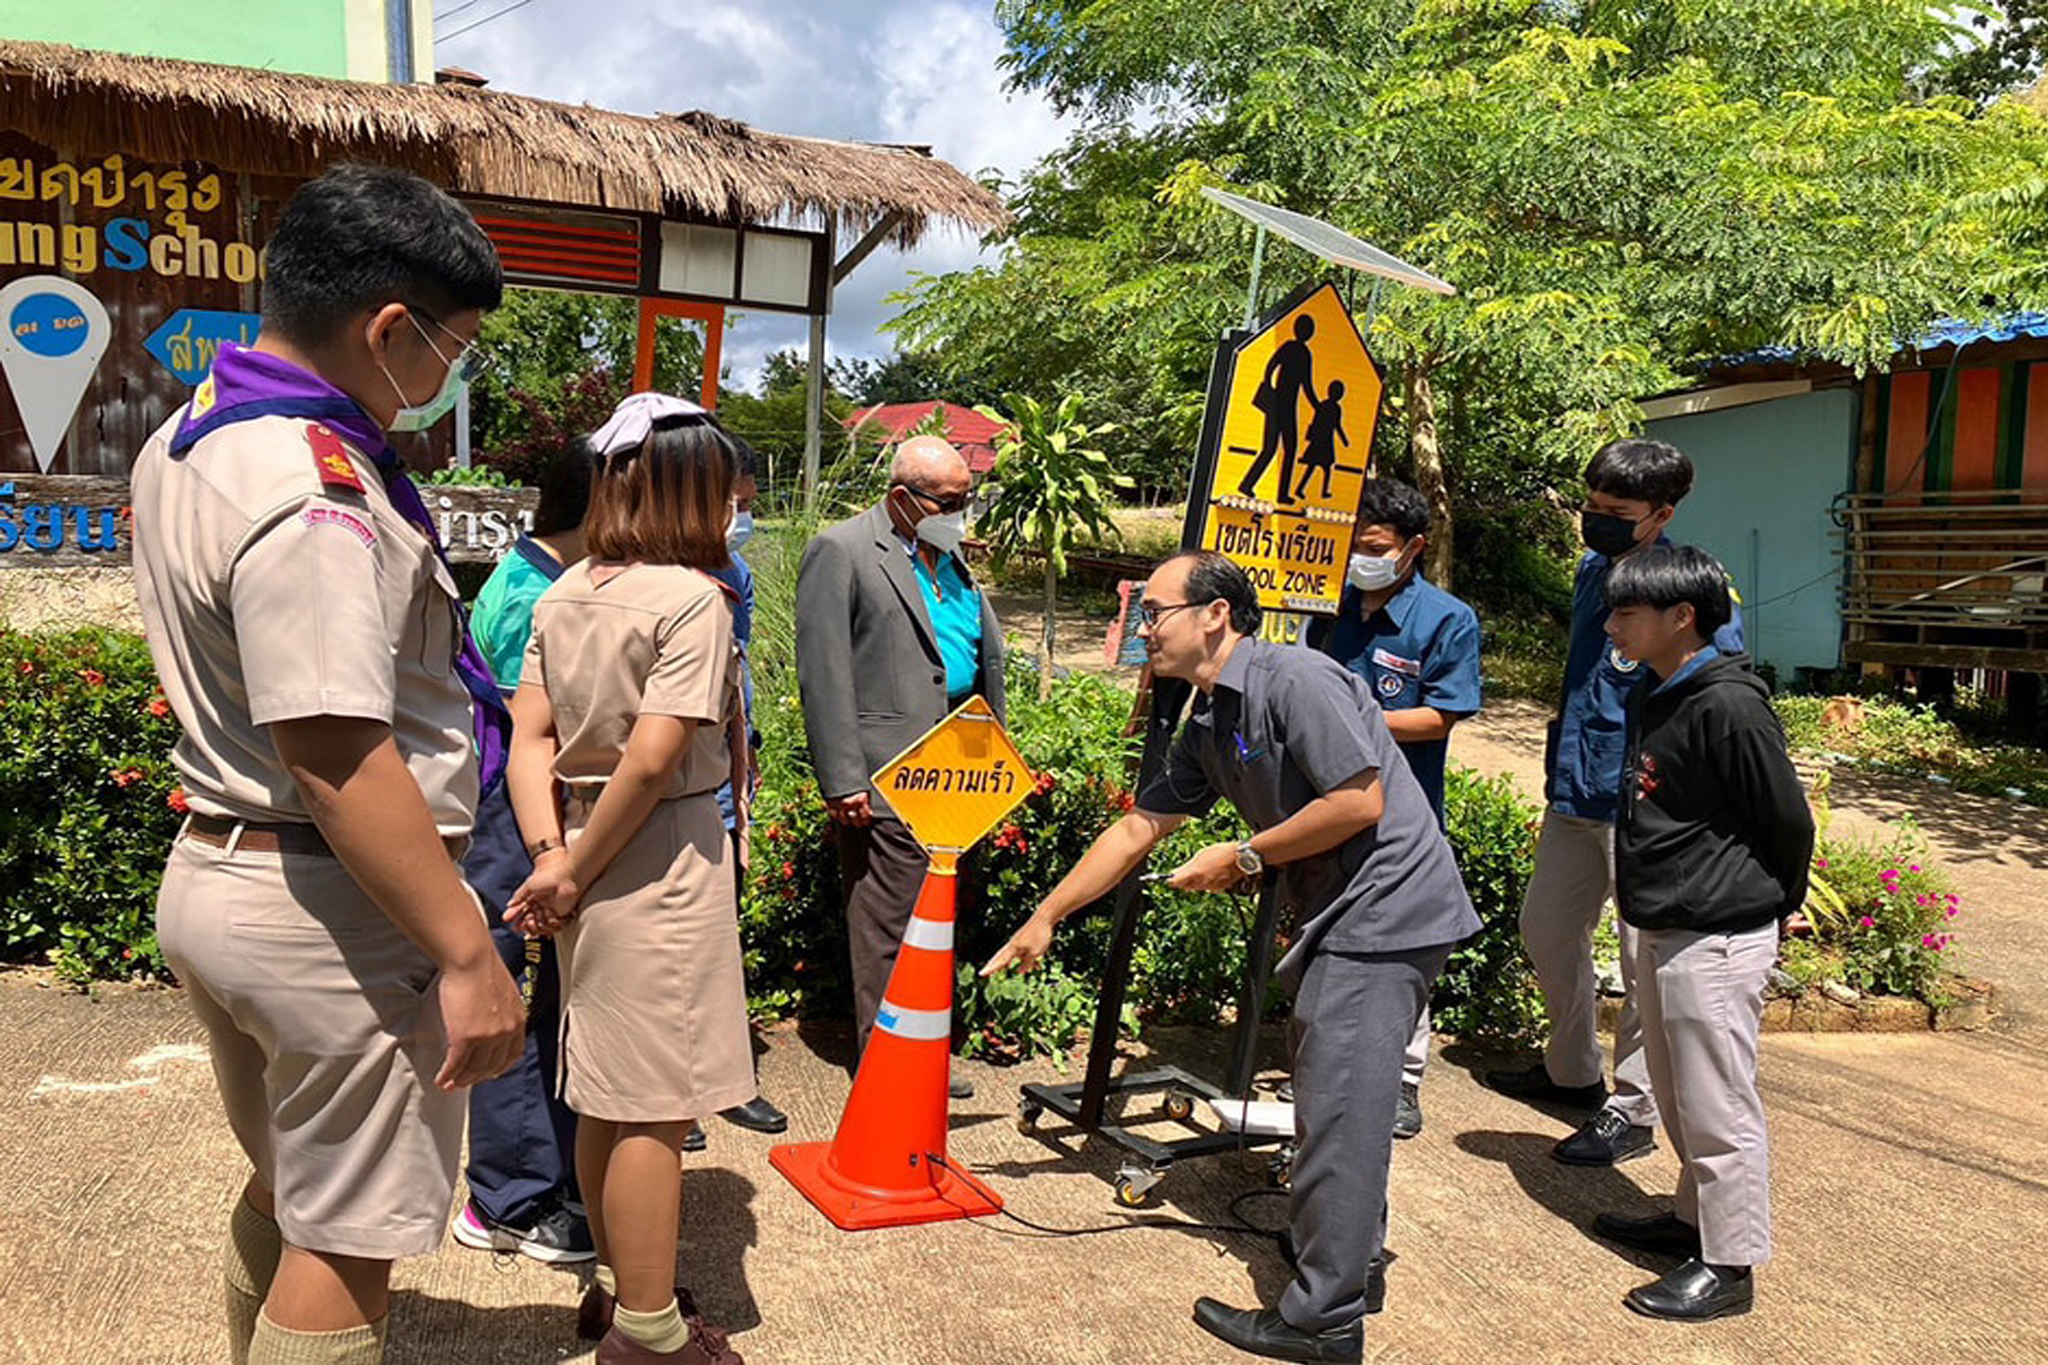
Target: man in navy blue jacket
(1633,489)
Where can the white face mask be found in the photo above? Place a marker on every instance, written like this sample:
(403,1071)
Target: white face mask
(739,530)
(420,416)
(1371,573)
(944,531)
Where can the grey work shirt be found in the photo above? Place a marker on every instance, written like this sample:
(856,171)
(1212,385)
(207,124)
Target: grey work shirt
(1281,728)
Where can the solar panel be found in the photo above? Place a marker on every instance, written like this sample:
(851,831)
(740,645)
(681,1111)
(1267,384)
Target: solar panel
(1331,243)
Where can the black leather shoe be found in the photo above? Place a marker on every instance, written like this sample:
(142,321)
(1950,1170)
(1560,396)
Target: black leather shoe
(756,1114)
(1408,1112)
(1534,1083)
(1661,1234)
(1263,1332)
(694,1140)
(1605,1140)
(1695,1292)
(960,1088)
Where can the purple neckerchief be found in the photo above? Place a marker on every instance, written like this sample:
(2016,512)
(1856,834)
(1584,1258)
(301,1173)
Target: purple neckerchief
(247,384)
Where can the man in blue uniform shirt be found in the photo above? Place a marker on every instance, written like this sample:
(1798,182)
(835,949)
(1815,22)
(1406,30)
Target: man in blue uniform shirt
(1417,647)
(1633,489)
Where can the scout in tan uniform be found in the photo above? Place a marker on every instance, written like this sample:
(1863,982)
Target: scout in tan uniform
(622,739)
(308,636)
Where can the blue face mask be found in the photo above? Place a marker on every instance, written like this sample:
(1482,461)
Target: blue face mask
(740,530)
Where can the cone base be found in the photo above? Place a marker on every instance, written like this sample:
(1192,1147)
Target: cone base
(956,1195)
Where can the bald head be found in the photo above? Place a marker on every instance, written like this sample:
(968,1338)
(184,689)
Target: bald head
(929,462)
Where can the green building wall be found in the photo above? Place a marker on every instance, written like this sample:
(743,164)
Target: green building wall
(1765,476)
(345,39)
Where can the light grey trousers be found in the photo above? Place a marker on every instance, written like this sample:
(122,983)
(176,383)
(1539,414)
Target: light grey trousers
(1353,1017)
(1573,879)
(1702,998)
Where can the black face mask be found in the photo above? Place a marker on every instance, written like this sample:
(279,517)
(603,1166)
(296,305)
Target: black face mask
(1607,535)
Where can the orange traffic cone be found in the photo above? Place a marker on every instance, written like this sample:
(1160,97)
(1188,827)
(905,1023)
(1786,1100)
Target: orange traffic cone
(878,1172)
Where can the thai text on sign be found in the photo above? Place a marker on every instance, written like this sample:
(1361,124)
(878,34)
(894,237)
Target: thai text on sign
(1286,447)
(957,782)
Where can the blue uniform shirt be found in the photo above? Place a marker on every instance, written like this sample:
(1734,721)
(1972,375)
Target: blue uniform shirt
(740,578)
(1420,649)
(1586,747)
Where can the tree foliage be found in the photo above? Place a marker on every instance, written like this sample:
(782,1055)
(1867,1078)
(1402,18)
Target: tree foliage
(1050,485)
(1619,189)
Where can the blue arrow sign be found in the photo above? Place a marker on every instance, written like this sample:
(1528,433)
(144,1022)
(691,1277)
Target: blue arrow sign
(187,343)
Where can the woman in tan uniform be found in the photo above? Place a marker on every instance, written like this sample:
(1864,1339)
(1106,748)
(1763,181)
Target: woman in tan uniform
(618,750)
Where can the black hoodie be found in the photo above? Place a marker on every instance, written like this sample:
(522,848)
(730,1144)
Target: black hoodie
(1714,833)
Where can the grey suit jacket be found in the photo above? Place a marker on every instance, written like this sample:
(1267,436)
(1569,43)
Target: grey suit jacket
(867,658)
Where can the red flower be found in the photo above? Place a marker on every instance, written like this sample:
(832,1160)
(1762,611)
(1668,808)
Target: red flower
(126,777)
(789,869)
(158,707)
(93,677)
(176,800)
(1123,801)
(27,667)
(1046,782)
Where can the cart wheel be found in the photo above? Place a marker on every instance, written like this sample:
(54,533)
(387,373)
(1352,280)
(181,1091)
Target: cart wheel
(1027,1116)
(1179,1107)
(1131,1193)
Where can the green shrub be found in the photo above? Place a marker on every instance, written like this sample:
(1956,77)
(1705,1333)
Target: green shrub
(1895,933)
(1917,741)
(1488,990)
(89,802)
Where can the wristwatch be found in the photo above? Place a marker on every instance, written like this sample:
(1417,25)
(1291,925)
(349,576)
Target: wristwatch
(1248,860)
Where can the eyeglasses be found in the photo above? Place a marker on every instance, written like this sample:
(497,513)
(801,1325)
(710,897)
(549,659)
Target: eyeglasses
(473,360)
(1148,615)
(959,502)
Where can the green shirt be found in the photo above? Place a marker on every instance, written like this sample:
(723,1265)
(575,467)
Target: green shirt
(502,619)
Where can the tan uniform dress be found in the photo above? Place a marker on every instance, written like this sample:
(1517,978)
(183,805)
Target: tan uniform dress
(654,1004)
(269,596)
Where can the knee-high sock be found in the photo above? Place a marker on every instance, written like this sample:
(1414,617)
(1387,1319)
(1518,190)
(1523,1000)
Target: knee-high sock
(248,1264)
(275,1345)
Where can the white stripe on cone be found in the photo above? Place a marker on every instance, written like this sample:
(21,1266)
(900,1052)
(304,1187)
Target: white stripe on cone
(932,934)
(922,1026)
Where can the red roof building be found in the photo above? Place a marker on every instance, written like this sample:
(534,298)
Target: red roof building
(974,435)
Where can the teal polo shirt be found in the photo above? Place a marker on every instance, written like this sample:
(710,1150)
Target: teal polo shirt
(502,620)
(953,604)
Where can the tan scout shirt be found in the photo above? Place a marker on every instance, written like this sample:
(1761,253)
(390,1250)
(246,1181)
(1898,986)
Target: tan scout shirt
(267,595)
(656,640)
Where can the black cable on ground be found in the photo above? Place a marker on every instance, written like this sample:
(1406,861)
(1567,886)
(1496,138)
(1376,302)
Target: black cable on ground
(1242,1228)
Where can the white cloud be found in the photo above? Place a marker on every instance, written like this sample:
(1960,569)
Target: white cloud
(916,71)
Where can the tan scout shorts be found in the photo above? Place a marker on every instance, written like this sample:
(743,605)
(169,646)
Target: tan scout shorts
(326,1033)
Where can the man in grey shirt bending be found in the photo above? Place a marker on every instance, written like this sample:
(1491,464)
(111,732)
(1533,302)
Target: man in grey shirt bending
(1367,884)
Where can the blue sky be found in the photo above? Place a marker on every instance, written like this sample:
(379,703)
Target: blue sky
(918,71)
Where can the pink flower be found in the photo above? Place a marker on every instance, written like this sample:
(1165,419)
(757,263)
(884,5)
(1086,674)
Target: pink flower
(1866,923)
(1950,912)
(1820,862)
(1931,941)
(1914,868)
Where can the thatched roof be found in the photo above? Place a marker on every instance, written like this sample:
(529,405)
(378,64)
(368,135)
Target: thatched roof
(478,141)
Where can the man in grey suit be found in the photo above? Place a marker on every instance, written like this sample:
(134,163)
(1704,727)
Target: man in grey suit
(1371,895)
(891,634)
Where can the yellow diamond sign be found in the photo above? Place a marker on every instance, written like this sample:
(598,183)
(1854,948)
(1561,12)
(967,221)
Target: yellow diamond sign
(957,782)
(1286,445)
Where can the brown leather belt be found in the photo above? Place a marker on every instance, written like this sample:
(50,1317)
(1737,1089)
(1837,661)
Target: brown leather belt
(257,837)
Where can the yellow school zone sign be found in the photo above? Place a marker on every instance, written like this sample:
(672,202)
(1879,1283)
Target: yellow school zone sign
(1287,445)
(957,782)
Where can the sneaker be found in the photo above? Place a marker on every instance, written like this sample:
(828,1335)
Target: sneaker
(1534,1083)
(1408,1112)
(1606,1139)
(557,1237)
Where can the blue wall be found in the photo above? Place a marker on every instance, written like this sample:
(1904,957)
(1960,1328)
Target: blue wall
(1766,473)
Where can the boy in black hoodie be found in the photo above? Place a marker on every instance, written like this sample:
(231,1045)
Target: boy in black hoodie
(1711,848)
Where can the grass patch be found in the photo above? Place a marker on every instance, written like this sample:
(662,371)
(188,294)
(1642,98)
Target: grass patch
(1895,737)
